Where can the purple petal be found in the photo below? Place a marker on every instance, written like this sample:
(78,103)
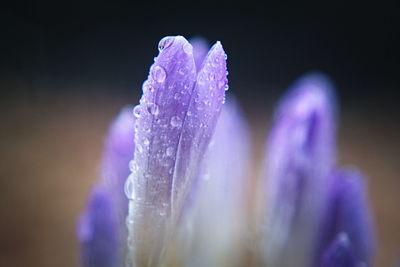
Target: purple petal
(98,232)
(200,50)
(301,150)
(101,228)
(172,132)
(218,213)
(198,127)
(339,253)
(348,211)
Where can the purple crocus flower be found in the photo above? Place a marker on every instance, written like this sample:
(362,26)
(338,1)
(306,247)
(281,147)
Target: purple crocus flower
(176,118)
(187,182)
(347,212)
(307,203)
(101,227)
(339,253)
(216,221)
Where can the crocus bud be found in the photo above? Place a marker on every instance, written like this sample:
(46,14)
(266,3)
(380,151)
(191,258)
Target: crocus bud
(176,118)
(301,150)
(339,253)
(101,228)
(347,211)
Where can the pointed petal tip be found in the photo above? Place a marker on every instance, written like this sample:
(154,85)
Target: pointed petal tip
(120,137)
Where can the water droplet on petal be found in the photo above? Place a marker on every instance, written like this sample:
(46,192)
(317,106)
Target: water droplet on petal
(129,187)
(153,109)
(146,142)
(188,48)
(137,111)
(165,42)
(133,166)
(226,88)
(159,74)
(182,71)
(139,148)
(176,121)
(170,151)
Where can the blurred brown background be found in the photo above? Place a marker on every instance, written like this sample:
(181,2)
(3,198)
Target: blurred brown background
(67,67)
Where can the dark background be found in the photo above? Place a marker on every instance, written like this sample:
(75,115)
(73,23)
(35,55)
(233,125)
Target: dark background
(67,67)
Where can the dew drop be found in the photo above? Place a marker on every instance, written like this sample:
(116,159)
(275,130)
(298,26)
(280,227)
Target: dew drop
(133,166)
(176,121)
(182,71)
(137,111)
(159,74)
(188,48)
(226,88)
(211,76)
(128,222)
(170,151)
(153,109)
(165,42)
(146,142)
(139,148)
(147,87)
(176,96)
(129,187)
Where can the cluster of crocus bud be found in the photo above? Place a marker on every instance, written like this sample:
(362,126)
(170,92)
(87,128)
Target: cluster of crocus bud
(187,157)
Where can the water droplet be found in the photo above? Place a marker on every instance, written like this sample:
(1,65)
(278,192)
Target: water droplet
(182,71)
(129,187)
(147,86)
(211,76)
(159,74)
(176,121)
(137,111)
(188,48)
(153,109)
(226,88)
(189,113)
(186,86)
(165,42)
(176,96)
(128,222)
(146,142)
(170,151)
(139,148)
(133,166)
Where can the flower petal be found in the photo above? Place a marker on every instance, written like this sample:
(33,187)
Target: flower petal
(101,227)
(339,253)
(300,154)
(98,232)
(218,213)
(199,124)
(200,50)
(347,211)
(171,136)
